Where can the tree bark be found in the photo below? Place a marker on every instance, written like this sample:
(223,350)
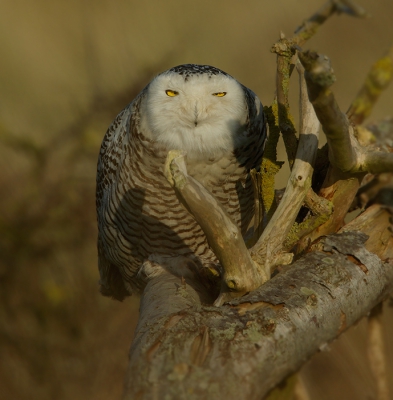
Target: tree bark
(184,349)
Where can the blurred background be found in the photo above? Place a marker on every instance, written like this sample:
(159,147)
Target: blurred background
(67,68)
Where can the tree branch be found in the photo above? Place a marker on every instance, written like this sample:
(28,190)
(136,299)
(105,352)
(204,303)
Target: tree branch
(271,243)
(269,168)
(286,59)
(377,80)
(260,336)
(345,152)
(241,274)
(183,348)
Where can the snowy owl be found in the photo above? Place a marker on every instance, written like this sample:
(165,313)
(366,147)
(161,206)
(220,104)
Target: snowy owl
(220,125)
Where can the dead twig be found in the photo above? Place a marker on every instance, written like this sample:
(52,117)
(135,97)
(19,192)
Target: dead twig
(377,80)
(271,244)
(286,59)
(345,152)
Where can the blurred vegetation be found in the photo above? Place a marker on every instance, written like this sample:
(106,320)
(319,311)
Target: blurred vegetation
(67,69)
(55,329)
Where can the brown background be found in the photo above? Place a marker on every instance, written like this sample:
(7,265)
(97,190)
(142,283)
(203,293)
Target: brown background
(67,68)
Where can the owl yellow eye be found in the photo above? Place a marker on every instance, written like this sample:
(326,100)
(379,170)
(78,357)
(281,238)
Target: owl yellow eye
(220,94)
(171,93)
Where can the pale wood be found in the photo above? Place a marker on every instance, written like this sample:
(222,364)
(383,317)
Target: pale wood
(243,349)
(240,273)
(268,248)
(345,152)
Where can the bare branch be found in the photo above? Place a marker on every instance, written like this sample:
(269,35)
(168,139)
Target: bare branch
(270,244)
(375,162)
(241,274)
(310,26)
(351,8)
(287,128)
(380,239)
(261,334)
(383,132)
(269,166)
(317,205)
(375,188)
(377,80)
(345,152)
(180,344)
(286,58)
(319,77)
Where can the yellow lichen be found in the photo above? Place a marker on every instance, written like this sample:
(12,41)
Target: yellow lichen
(270,166)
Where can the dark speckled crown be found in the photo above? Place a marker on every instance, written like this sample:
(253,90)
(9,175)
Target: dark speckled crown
(188,70)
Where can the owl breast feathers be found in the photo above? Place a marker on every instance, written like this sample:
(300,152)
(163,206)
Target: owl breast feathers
(220,125)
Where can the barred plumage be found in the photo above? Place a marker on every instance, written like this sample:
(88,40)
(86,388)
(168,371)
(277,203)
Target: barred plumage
(199,109)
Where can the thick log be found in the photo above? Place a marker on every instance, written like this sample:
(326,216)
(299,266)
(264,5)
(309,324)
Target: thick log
(243,349)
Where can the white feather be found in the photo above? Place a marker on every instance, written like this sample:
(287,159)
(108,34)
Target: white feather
(195,120)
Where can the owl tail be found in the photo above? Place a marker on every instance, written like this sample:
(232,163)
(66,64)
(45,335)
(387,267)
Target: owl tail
(111,283)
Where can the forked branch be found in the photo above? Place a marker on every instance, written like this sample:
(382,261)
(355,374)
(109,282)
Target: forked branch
(286,48)
(345,152)
(269,250)
(241,274)
(180,344)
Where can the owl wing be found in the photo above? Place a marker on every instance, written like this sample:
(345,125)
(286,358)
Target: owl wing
(111,155)
(256,131)
(110,188)
(249,157)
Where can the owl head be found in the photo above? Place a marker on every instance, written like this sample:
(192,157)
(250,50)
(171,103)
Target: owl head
(196,108)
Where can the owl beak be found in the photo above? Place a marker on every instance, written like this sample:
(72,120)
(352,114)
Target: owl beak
(196,114)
